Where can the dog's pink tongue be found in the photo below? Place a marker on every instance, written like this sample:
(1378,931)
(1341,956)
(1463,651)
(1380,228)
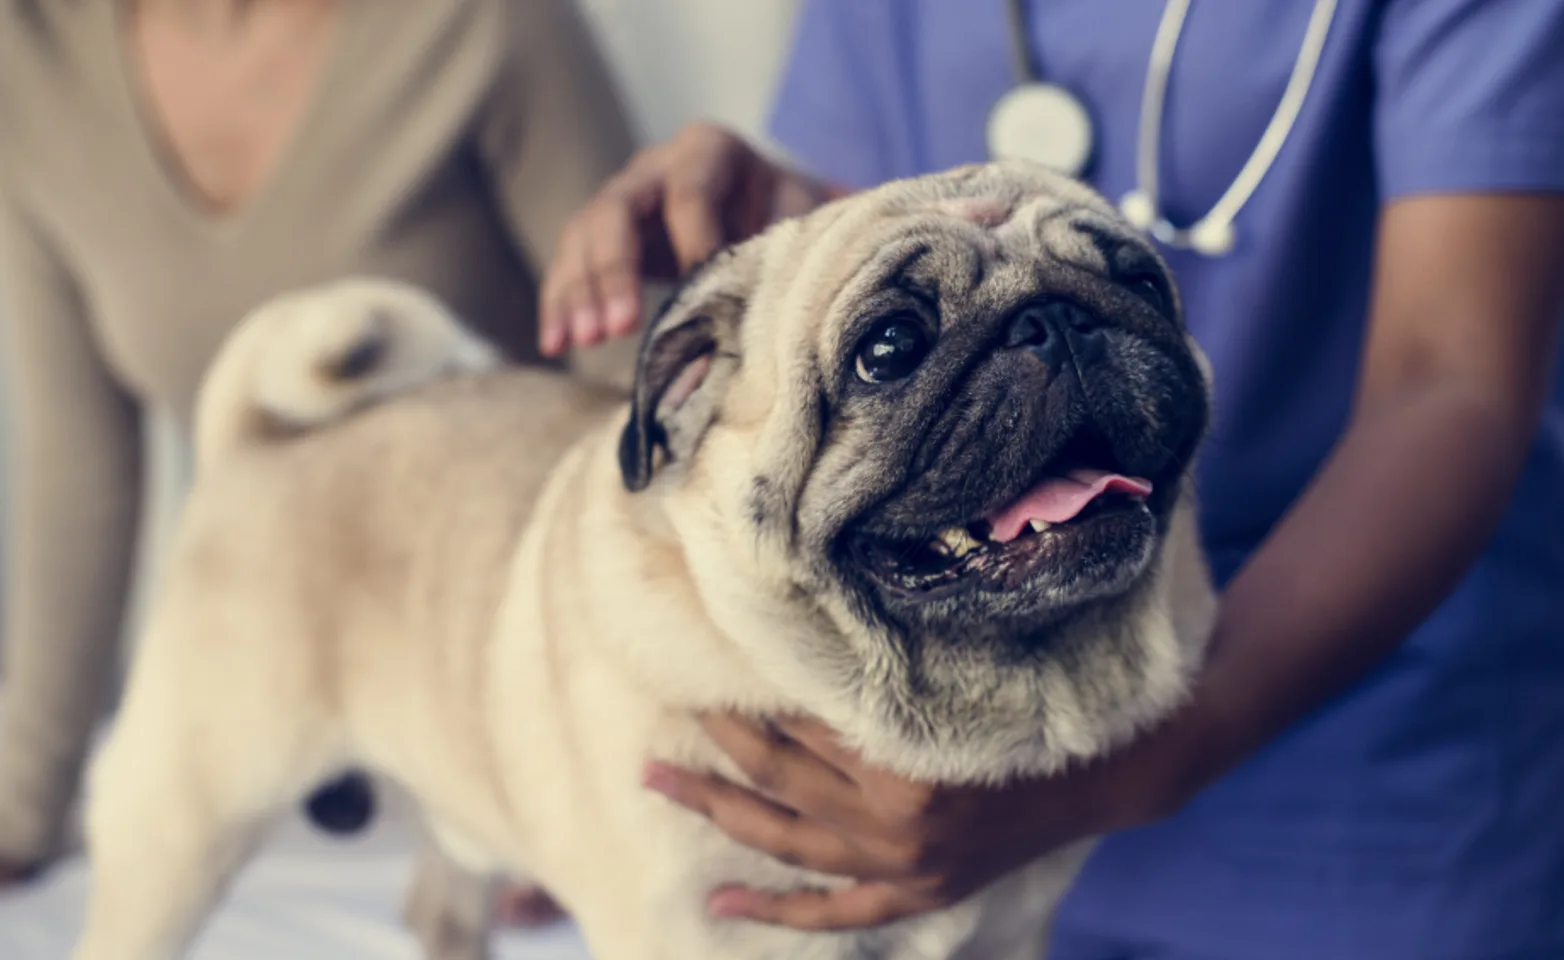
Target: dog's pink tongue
(1061,498)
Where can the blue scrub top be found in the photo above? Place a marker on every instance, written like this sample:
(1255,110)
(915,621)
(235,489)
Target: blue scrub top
(1421,814)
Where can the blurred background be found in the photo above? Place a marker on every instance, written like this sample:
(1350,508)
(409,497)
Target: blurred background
(310,897)
(676,61)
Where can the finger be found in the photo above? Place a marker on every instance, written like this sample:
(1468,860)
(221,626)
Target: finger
(701,167)
(888,793)
(582,301)
(563,290)
(692,208)
(822,741)
(614,263)
(586,317)
(552,319)
(759,824)
(853,908)
(553,333)
(577,308)
(642,187)
(604,232)
(785,771)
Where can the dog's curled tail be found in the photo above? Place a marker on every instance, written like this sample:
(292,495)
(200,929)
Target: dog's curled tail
(312,356)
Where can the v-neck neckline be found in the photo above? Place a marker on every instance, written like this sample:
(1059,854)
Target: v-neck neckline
(157,151)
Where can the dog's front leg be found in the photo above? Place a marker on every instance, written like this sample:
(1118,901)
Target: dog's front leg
(450,909)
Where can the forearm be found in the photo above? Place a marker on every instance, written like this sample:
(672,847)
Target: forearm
(70,550)
(1460,353)
(73,472)
(1401,509)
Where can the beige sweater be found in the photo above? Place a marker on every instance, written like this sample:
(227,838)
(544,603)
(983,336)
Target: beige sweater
(446,143)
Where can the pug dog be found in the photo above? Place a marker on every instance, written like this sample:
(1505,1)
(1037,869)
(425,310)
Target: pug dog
(916,464)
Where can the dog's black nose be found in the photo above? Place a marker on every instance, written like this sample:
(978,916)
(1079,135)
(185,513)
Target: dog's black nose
(1055,330)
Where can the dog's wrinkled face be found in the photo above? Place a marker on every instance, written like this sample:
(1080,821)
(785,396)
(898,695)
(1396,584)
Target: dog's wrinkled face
(965,408)
(1020,406)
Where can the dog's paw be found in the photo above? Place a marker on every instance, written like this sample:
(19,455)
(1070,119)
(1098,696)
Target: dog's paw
(449,910)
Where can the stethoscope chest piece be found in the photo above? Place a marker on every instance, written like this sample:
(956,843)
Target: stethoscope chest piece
(1044,123)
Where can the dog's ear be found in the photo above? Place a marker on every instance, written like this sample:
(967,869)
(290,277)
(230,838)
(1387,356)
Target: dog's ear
(688,355)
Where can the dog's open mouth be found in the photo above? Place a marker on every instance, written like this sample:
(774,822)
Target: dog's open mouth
(1076,518)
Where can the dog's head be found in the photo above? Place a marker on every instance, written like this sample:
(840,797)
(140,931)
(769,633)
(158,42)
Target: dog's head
(949,424)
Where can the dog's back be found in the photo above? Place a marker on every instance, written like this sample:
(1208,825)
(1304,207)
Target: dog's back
(364,473)
(365,460)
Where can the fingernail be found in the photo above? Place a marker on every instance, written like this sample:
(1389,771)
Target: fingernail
(551,333)
(729,903)
(584,323)
(657,777)
(621,314)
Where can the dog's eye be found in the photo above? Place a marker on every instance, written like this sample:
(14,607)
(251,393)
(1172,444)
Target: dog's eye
(892,350)
(1150,288)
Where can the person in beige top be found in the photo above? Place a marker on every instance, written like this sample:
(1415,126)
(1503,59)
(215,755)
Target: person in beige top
(165,165)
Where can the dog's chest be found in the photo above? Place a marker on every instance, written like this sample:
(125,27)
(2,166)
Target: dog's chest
(577,728)
(674,858)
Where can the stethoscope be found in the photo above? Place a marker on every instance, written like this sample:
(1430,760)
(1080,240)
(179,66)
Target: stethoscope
(1045,122)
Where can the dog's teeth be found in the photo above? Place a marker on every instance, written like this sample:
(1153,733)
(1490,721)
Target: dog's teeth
(1038,526)
(958,542)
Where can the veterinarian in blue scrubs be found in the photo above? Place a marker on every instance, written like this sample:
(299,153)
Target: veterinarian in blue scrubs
(1373,768)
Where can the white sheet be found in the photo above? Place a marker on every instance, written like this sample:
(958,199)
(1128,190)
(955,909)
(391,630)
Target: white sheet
(305,897)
